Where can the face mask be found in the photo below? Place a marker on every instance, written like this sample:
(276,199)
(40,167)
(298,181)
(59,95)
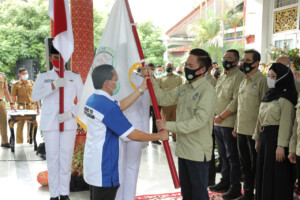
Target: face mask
(216,75)
(271,82)
(191,74)
(227,65)
(159,73)
(115,91)
(179,72)
(25,77)
(169,70)
(247,67)
(55,63)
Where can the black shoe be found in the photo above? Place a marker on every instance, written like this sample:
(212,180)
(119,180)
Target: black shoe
(156,142)
(231,194)
(64,197)
(223,186)
(52,198)
(5,145)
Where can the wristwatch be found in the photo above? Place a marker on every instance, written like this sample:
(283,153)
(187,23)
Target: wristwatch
(11,103)
(140,90)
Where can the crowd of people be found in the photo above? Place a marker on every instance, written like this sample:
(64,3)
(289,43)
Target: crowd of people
(251,117)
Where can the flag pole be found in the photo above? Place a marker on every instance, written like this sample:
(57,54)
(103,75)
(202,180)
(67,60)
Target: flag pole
(153,99)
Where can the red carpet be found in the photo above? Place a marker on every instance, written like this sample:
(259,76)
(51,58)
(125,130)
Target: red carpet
(175,196)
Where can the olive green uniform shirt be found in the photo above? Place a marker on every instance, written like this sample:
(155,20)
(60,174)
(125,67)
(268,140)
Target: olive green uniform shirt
(211,79)
(278,112)
(196,104)
(227,90)
(297,84)
(294,145)
(3,85)
(168,82)
(23,91)
(252,90)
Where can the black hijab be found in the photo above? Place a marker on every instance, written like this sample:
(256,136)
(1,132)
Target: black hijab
(285,87)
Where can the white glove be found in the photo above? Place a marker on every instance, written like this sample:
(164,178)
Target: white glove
(59,82)
(64,117)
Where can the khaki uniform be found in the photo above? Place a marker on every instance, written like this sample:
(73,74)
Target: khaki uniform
(294,145)
(23,93)
(3,115)
(297,84)
(251,91)
(196,104)
(211,79)
(278,112)
(167,82)
(227,90)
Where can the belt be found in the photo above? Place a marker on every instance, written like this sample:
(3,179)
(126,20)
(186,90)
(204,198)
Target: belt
(263,128)
(26,103)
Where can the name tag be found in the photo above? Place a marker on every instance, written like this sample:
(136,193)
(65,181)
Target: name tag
(48,80)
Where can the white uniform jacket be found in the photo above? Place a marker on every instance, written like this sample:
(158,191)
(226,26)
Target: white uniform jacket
(43,90)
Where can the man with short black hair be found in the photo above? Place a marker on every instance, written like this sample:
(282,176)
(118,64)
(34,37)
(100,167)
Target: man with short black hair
(106,125)
(251,91)
(196,101)
(227,90)
(21,93)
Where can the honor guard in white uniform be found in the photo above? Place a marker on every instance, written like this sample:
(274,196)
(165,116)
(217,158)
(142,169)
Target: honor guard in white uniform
(137,115)
(59,145)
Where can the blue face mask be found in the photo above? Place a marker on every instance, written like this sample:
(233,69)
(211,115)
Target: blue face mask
(159,73)
(115,91)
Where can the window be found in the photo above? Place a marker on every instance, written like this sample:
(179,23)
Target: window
(282,3)
(284,44)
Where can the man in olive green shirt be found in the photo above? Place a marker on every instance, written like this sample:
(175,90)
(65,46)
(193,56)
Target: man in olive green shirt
(196,103)
(252,90)
(167,82)
(209,77)
(227,90)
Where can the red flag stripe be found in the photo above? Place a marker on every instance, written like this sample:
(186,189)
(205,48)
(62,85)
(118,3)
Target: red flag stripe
(60,18)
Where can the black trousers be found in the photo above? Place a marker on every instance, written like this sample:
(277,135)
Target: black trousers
(193,179)
(152,114)
(103,193)
(247,154)
(227,148)
(274,180)
(212,164)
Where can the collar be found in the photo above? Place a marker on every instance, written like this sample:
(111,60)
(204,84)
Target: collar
(198,82)
(231,72)
(102,92)
(254,76)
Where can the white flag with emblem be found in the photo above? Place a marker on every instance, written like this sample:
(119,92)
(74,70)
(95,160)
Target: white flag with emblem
(118,48)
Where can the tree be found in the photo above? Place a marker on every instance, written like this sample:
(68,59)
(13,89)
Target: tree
(153,47)
(24,25)
(207,34)
(100,19)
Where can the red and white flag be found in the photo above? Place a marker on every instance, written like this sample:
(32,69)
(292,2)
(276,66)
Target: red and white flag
(63,35)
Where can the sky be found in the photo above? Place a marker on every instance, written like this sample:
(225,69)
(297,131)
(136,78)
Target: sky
(163,13)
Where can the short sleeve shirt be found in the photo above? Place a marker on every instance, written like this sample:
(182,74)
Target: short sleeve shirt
(105,125)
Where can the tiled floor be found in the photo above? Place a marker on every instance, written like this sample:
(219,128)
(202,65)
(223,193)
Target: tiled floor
(18,173)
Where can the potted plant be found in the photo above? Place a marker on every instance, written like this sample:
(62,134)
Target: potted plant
(250,39)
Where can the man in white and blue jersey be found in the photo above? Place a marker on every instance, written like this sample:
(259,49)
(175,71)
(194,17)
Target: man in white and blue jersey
(106,124)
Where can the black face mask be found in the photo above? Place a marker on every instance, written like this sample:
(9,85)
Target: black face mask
(247,67)
(169,69)
(191,74)
(227,65)
(216,75)
(179,72)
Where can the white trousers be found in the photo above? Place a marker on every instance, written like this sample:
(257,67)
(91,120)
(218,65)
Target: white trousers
(130,169)
(59,153)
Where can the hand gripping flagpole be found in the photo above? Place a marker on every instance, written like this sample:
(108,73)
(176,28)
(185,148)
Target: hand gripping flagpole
(153,99)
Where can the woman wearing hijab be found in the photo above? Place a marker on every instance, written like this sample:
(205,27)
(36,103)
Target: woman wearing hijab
(274,178)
